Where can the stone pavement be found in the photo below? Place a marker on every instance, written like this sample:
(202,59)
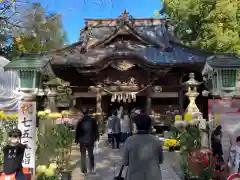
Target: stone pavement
(108,162)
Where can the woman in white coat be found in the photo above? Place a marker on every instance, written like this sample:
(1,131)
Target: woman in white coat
(125,126)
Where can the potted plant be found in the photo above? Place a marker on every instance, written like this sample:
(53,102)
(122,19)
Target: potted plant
(64,136)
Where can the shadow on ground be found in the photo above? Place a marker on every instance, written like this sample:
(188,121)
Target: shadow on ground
(108,163)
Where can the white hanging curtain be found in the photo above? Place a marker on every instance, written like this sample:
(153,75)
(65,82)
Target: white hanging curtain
(8,85)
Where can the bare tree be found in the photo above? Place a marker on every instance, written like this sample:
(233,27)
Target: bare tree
(9,21)
(13,15)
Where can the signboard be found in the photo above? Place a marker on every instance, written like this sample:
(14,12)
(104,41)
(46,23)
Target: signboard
(27,124)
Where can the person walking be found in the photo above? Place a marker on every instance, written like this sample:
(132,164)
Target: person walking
(216,143)
(143,152)
(116,130)
(109,129)
(86,135)
(125,126)
(133,114)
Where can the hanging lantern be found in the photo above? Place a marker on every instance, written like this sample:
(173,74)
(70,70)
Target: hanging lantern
(121,96)
(134,99)
(118,98)
(112,99)
(124,98)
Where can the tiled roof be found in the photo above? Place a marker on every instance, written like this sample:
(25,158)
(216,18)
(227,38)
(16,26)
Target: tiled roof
(34,62)
(224,61)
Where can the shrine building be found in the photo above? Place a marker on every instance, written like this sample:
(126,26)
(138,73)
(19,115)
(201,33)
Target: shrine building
(127,62)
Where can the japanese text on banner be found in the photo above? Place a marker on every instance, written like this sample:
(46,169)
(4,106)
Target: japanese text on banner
(27,124)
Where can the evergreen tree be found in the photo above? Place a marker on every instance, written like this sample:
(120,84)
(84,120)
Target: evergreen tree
(206,24)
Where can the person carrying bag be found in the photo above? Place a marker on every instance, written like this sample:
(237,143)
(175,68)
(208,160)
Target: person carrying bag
(119,176)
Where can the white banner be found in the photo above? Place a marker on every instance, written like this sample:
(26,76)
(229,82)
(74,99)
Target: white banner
(27,124)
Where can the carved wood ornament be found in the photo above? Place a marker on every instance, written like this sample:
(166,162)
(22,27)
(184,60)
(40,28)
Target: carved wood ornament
(124,91)
(122,65)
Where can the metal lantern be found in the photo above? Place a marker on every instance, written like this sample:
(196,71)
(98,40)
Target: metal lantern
(29,79)
(29,68)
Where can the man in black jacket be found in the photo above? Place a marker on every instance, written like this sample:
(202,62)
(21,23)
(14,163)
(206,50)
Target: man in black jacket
(86,135)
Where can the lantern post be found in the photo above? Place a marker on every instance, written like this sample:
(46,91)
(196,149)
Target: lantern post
(30,68)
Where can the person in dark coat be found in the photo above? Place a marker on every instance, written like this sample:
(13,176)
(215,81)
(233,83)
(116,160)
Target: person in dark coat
(86,135)
(143,152)
(216,142)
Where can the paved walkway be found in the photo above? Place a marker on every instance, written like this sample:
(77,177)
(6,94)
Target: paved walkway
(108,161)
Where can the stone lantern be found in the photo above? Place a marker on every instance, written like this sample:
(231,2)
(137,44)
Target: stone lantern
(192,108)
(51,92)
(192,94)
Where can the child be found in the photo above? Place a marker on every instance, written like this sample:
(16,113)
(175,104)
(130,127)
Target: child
(234,160)
(13,155)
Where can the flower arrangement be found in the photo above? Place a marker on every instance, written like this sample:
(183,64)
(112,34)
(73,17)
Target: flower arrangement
(1,146)
(53,115)
(171,144)
(48,114)
(47,173)
(5,116)
(188,120)
(65,121)
(189,138)
(201,164)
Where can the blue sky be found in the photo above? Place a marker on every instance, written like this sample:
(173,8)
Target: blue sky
(74,11)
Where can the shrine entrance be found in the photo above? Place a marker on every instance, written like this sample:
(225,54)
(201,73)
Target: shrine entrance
(111,106)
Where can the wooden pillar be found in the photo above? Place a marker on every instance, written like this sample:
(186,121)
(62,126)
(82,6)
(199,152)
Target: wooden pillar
(99,101)
(99,111)
(149,101)
(181,95)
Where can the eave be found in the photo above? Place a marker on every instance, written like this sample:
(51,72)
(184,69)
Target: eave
(207,68)
(223,61)
(125,28)
(28,62)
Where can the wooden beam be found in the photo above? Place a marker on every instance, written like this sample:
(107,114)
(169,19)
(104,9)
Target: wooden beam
(164,94)
(153,95)
(87,94)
